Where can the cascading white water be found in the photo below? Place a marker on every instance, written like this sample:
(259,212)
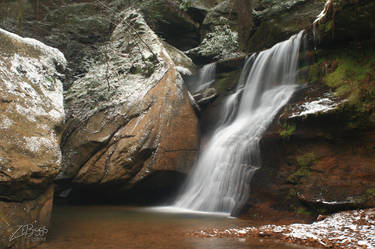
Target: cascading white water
(220,181)
(205,77)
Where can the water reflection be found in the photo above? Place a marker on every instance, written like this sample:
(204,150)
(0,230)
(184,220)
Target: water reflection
(118,227)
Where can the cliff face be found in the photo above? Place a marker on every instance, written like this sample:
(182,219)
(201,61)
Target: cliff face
(31,123)
(319,154)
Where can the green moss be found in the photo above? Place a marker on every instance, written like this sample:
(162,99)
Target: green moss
(322,211)
(296,176)
(306,160)
(371,193)
(304,163)
(347,71)
(303,211)
(287,130)
(291,194)
(226,81)
(184,4)
(314,73)
(328,26)
(365,199)
(350,73)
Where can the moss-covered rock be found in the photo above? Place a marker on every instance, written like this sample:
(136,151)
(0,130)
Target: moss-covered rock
(349,72)
(325,163)
(304,163)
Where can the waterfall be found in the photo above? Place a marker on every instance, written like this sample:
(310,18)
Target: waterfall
(220,181)
(205,77)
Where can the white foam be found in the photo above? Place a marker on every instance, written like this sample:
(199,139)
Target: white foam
(178,210)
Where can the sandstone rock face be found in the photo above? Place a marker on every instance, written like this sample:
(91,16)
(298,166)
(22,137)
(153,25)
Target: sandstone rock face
(319,155)
(184,65)
(276,21)
(129,117)
(31,123)
(315,163)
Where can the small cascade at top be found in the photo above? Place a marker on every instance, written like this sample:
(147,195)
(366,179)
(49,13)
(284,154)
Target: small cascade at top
(220,181)
(204,78)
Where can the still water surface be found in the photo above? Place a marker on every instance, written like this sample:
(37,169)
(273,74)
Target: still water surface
(119,227)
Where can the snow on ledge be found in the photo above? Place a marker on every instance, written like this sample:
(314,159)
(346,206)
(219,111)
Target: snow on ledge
(30,78)
(317,106)
(47,51)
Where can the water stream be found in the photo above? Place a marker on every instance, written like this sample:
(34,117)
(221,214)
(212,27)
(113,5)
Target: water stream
(203,79)
(220,181)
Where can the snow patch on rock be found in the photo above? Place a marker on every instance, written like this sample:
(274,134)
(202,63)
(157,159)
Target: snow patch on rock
(119,78)
(220,43)
(5,122)
(317,106)
(31,95)
(34,144)
(349,230)
(50,55)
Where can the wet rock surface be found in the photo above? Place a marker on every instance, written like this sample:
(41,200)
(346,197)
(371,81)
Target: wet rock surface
(205,97)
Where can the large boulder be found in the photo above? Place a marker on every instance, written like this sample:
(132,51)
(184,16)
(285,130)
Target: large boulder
(129,118)
(31,123)
(219,35)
